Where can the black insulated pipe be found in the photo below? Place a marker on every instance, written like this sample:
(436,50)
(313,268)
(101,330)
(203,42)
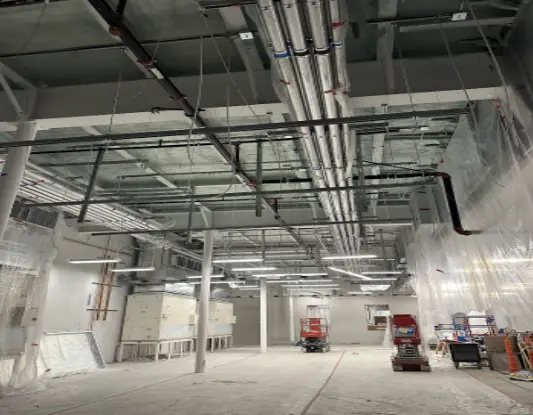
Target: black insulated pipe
(452,205)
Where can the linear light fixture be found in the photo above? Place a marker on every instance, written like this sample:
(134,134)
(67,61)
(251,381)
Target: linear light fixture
(197,277)
(295,281)
(248,288)
(310,274)
(234,260)
(254,269)
(95,261)
(269,275)
(374,287)
(353,274)
(310,285)
(366,256)
(133,269)
(385,279)
(219,282)
(358,293)
(381,272)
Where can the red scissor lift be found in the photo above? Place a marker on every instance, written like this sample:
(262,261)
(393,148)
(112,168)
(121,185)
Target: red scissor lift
(314,335)
(406,338)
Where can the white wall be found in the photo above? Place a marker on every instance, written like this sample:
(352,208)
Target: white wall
(348,319)
(71,290)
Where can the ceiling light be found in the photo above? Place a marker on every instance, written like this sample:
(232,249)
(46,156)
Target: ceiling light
(94,261)
(232,260)
(295,281)
(349,273)
(385,279)
(196,277)
(269,275)
(254,269)
(358,293)
(377,287)
(133,269)
(329,258)
(219,282)
(249,288)
(310,285)
(311,274)
(424,128)
(459,16)
(390,224)
(381,272)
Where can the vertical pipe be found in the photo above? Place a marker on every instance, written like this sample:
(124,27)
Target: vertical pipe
(263,314)
(13,172)
(291,318)
(259,180)
(383,250)
(92,183)
(191,214)
(203,309)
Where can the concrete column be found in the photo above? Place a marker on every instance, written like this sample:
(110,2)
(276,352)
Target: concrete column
(291,319)
(263,314)
(203,309)
(13,171)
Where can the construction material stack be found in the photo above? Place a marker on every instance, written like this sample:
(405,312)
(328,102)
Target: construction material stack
(314,335)
(407,342)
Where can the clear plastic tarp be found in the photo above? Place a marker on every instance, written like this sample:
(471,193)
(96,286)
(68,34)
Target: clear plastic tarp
(26,256)
(490,272)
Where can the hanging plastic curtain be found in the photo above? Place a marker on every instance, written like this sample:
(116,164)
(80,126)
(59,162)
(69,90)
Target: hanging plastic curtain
(492,271)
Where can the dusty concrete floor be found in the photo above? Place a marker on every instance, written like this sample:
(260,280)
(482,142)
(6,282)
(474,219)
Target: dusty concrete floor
(284,381)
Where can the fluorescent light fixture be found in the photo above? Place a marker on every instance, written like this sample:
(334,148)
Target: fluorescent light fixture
(246,35)
(424,128)
(295,281)
(233,260)
(390,224)
(377,287)
(381,272)
(310,285)
(219,282)
(385,279)
(249,288)
(197,277)
(353,274)
(269,275)
(329,258)
(94,261)
(133,269)
(358,293)
(311,274)
(254,269)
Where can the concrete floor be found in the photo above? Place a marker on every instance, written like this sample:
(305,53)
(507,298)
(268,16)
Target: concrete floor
(284,381)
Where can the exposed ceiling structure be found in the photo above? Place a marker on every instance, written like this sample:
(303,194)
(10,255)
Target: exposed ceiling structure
(165,119)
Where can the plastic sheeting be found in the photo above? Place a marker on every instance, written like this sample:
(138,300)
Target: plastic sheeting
(491,272)
(26,255)
(65,354)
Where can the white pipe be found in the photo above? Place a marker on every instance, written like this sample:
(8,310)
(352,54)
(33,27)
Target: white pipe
(203,306)
(291,319)
(263,314)
(303,61)
(288,78)
(13,172)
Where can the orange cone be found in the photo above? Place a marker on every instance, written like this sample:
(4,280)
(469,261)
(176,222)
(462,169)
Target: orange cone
(511,358)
